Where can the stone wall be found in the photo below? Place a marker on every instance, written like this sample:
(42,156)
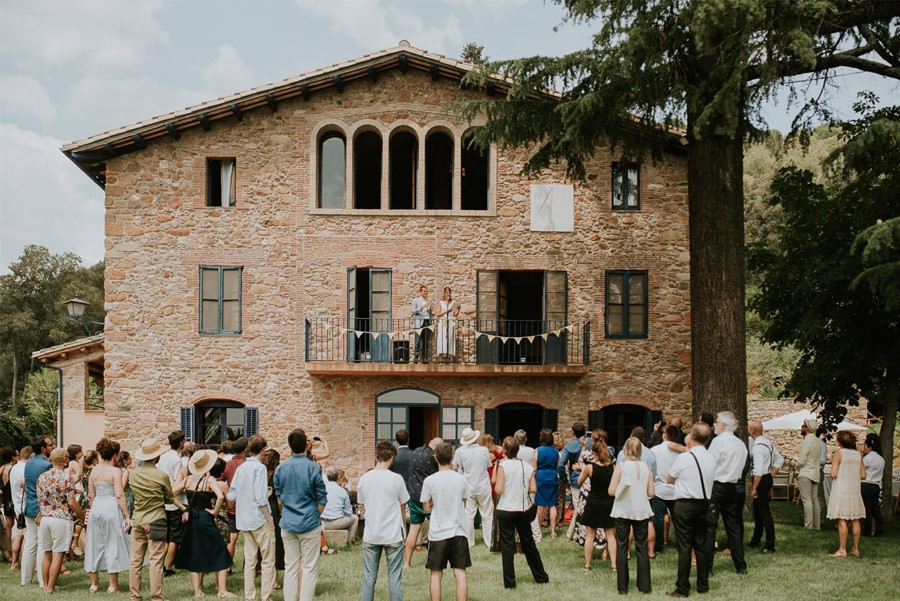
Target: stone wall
(295,259)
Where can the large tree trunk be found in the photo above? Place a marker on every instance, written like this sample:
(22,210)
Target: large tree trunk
(718,341)
(15,379)
(888,424)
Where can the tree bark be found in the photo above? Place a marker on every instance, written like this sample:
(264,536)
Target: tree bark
(888,424)
(718,322)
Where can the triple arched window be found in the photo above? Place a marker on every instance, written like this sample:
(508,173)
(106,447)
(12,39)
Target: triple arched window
(456,172)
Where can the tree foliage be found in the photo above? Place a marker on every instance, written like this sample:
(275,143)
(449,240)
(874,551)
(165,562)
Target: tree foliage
(474,53)
(654,64)
(824,287)
(32,315)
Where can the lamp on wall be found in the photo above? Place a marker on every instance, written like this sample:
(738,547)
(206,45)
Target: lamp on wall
(75,308)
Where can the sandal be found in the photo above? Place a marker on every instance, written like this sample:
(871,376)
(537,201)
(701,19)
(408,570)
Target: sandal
(94,588)
(840,554)
(585,568)
(64,571)
(327,551)
(112,590)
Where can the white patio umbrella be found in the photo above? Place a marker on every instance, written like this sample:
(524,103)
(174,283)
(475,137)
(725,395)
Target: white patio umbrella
(793,421)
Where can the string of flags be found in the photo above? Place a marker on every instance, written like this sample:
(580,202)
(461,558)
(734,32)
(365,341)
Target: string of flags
(433,327)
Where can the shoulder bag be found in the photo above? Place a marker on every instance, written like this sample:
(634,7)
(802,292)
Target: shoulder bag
(712,510)
(20,519)
(527,501)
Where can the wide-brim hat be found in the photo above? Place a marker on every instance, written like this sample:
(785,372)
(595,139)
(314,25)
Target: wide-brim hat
(812,424)
(149,449)
(202,461)
(469,436)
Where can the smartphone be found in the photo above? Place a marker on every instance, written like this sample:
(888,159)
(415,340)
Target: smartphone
(317,439)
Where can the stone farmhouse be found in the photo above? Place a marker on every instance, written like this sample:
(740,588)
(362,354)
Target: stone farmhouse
(263,252)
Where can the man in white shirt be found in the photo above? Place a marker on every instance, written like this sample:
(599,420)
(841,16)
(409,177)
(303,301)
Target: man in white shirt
(384,494)
(472,461)
(444,494)
(338,514)
(692,474)
(873,523)
(730,455)
(526,454)
(170,463)
(766,463)
(664,499)
(249,491)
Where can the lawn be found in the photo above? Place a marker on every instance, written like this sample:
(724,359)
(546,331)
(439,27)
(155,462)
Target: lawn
(801,569)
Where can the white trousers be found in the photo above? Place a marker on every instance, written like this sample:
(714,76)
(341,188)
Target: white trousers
(481,502)
(31,551)
(301,549)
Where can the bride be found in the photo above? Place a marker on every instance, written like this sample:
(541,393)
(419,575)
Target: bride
(448,311)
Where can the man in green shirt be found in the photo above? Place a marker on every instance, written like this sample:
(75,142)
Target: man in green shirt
(152,489)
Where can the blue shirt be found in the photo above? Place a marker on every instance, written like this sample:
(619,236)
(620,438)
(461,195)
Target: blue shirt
(300,488)
(338,504)
(569,455)
(36,466)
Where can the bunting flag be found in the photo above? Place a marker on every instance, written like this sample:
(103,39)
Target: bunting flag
(462,329)
(545,336)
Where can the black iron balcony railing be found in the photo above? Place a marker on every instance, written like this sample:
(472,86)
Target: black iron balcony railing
(467,342)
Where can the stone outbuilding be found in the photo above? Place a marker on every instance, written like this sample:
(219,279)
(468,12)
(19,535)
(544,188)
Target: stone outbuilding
(263,252)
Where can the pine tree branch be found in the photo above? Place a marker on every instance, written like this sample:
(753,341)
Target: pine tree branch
(849,58)
(877,46)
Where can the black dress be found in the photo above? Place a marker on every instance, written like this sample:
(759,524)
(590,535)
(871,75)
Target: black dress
(599,503)
(202,548)
(276,518)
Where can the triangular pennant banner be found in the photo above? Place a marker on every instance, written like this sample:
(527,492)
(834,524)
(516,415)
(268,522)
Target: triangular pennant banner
(530,338)
(545,336)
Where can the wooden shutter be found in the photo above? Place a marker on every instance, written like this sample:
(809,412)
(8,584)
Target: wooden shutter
(650,420)
(556,316)
(550,419)
(380,308)
(595,419)
(351,313)
(251,421)
(492,423)
(187,422)
(487,298)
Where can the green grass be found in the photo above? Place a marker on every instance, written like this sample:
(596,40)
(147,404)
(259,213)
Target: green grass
(802,569)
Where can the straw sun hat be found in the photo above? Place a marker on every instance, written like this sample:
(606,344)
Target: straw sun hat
(469,436)
(202,461)
(150,449)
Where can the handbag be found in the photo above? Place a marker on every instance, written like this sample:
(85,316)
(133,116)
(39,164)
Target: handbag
(624,483)
(20,519)
(530,507)
(712,510)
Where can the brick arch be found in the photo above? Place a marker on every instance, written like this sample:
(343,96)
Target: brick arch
(504,399)
(640,401)
(407,125)
(426,384)
(245,401)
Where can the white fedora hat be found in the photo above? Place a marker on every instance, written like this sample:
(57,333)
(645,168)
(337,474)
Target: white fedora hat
(469,436)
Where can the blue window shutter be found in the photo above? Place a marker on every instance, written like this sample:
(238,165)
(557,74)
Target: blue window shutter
(187,422)
(595,420)
(251,421)
(491,423)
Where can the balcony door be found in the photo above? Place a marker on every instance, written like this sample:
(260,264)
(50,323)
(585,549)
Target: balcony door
(369,311)
(522,303)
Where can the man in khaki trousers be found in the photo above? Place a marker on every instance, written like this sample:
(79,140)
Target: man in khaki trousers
(809,474)
(152,489)
(249,491)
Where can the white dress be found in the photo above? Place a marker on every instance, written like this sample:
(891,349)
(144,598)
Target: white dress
(107,547)
(846,502)
(446,331)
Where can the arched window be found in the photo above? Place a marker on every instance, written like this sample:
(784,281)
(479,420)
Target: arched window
(439,171)
(367,171)
(332,171)
(475,169)
(404,156)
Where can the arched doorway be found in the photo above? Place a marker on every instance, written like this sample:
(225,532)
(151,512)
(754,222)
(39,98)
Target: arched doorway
(505,419)
(619,420)
(421,413)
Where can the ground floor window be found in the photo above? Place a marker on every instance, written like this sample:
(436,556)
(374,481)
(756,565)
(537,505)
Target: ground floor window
(213,422)
(420,413)
(620,420)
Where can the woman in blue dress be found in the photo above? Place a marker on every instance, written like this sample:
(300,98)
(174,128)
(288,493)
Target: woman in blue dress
(546,458)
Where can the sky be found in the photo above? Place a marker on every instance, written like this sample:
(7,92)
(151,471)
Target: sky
(73,68)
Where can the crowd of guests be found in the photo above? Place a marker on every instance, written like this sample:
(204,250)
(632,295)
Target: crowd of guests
(176,507)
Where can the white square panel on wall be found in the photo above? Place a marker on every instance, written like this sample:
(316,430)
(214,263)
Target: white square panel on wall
(552,208)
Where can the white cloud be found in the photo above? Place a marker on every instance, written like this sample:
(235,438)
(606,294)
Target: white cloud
(377,24)
(40,33)
(492,9)
(24,95)
(227,73)
(45,199)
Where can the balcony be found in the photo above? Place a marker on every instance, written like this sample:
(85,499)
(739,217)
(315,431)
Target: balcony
(379,347)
